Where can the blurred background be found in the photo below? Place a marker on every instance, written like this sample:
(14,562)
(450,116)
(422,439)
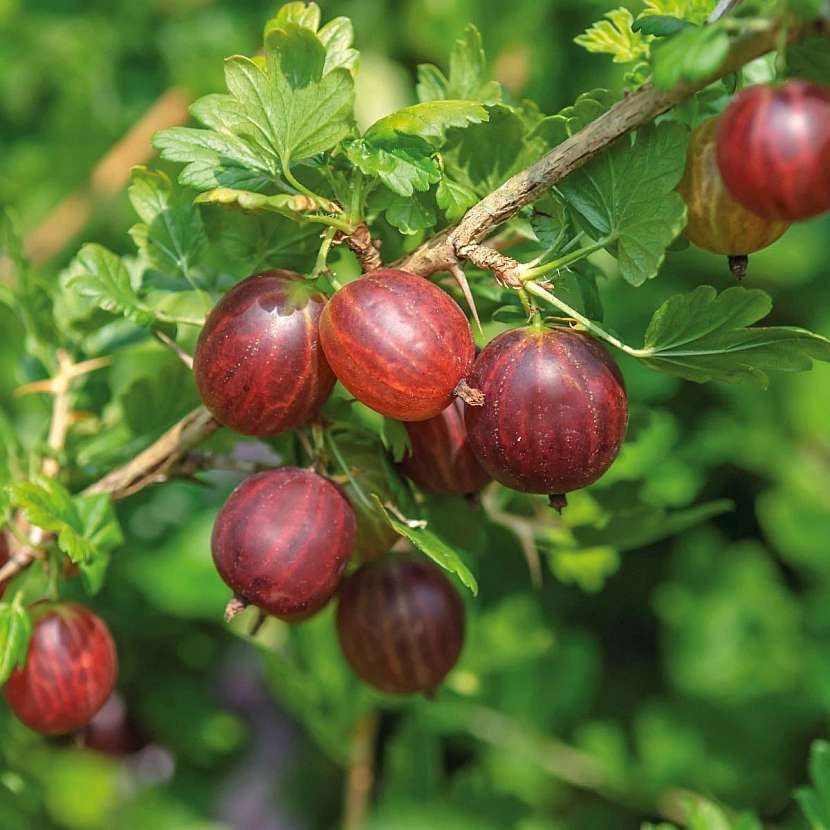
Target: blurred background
(700,663)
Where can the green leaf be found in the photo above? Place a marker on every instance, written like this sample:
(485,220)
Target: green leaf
(400,148)
(616,37)
(815,801)
(292,105)
(101,276)
(705,336)
(660,25)
(454,198)
(171,234)
(691,56)
(436,549)
(336,36)
(409,215)
(694,11)
(395,438)
(628,194)
(467,77)
(47,504)
(15,632)
(484,155)
(554,129)
(85,526)
(809,59)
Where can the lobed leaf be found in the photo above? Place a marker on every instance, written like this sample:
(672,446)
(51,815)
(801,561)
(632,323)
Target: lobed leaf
(100,275)
(705,336)
(628,194)
(615,36)
(467,74)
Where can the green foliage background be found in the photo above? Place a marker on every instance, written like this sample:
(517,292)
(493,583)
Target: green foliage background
(701,662)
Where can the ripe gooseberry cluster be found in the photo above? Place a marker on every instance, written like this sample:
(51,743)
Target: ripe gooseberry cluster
(758,167)
(552,419)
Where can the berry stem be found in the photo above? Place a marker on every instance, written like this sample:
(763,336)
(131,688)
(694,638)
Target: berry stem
(343,464)
(543,294)
(568,259)
(321,264)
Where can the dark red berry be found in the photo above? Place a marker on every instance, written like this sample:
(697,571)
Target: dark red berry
(400,624)
(258,364)
(441,459)
(555,410)
(4,557)
(70,670)
(716,222)
(282,539)
(398,343)
(774,150)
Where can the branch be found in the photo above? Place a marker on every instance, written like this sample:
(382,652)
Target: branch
(157,462)
(463,241)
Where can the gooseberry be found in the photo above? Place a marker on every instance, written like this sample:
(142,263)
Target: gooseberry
(555,410)
(773,150)
(70,669)
(398,343)
(282,539)
(400,624)
(258,363)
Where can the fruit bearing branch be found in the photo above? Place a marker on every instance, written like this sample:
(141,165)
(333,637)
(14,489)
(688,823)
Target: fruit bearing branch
(464,240)
(444,252)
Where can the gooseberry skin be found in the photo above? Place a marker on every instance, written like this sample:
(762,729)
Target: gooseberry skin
(398,343)
(773,150)
(70,670)
(716,222)
(258,363)
(555,410)
(400,624)
(282,539)
(441,459)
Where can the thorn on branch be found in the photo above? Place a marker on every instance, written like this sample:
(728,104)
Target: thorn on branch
(174,347)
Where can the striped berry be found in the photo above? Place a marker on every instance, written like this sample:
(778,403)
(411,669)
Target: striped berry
(555,411)
(400,624)
(718,223)
(282,539)
(774,150)
(258,362)
(441,459)
(70,670)
(398,343)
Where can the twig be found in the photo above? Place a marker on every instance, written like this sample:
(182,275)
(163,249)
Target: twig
(463,240)
(723,8)
(156,463)
(360,774)
(174,347)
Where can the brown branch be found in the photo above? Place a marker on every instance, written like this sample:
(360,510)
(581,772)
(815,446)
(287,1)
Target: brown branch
(461,241)
(157,462)
(360,774)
